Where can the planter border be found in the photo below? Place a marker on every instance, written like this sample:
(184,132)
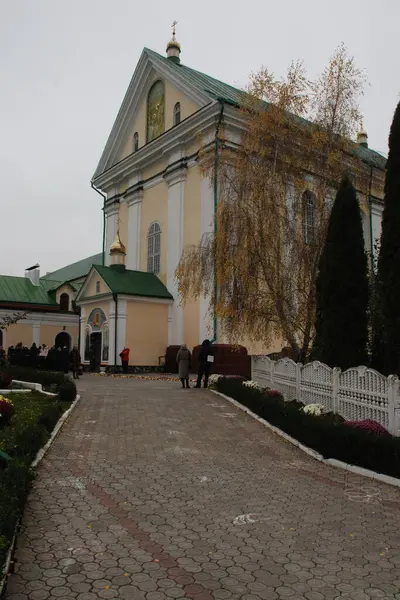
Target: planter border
(333,462)
(4,573)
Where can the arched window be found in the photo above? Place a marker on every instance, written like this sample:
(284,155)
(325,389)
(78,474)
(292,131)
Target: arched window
(177,113)
(309,217)
(64,302)
(97,287)
(154,248)
(155,110)
(135,141)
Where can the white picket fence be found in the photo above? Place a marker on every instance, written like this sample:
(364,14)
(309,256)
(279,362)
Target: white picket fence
(356,394)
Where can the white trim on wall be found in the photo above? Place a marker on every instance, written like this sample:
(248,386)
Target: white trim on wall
(207,227)
(134,202)
(36,333)
(121,328)
(111,332)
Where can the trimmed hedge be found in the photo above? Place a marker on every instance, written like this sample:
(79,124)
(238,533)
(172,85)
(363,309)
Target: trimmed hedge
(30,427)
(46,378)
(324,434)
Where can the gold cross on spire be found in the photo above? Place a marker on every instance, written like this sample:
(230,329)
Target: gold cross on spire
(174,24)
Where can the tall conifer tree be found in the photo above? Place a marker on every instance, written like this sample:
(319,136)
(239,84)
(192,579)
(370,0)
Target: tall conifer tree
(389,256)
(342,286)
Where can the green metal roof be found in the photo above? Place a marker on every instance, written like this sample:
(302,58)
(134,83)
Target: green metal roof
(132,283)
(75,270)
(21,289)
(211,86)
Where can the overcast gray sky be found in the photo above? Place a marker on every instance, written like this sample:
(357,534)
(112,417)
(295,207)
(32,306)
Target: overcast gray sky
(65,66)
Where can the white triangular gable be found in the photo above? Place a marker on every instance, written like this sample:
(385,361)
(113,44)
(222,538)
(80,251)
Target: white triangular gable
(88,289)
(149,67)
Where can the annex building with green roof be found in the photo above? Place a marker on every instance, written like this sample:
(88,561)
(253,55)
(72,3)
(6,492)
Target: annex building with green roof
(156,200)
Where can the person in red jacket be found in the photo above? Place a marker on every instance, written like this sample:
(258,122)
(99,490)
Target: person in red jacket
(125,359)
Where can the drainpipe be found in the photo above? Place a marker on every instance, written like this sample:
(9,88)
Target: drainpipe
(371,237)
(216,167)
(104,196)
(115,297)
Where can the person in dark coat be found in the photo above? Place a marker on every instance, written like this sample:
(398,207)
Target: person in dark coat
(75,360)
(205,359)
(183,359)
(34,352)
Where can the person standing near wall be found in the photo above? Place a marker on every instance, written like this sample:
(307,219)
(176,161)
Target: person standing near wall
(183,359)
(206,360)
(125,359)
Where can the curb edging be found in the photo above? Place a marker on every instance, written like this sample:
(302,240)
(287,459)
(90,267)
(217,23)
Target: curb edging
(34,464)
(332,462)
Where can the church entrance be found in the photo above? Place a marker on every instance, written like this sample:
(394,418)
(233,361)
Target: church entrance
(95,345)
(63,340)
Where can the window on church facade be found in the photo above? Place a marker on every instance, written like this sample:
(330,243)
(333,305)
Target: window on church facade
(155,110)
(97,287)
(309,217)
(135,141)
(154,248)
(177,113)
(64,302)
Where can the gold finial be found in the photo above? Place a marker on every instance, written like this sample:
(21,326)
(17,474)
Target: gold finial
(173,47)
(174,24)
(117,246)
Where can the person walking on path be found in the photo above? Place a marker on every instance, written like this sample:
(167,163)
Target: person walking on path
(75,360)
(205,359)
(183,358)
(125,359)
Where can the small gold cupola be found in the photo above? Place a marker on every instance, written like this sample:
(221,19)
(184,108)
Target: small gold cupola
(174,47)
(362,137)
(117,251)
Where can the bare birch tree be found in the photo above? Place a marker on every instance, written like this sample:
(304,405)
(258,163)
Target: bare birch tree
(273,203)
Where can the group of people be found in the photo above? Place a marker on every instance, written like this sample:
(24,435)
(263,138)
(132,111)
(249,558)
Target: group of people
(42,357)
(205,360)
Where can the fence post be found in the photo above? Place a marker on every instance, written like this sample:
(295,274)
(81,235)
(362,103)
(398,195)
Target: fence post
(299,367)
(335,389)
(393,386)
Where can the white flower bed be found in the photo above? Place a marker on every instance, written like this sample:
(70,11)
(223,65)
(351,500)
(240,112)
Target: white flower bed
(313,409)
(251,384)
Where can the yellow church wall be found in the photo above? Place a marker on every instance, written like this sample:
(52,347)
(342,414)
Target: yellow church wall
(172,96)
(48,333)
(20,332)
(154,208)
(155,168)
(146,332)
(90,289)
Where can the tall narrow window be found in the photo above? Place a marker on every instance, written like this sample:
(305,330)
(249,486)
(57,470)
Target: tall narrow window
(154,248)
(64,302)
(177,113)
(135,141)
(309,217)
(97,287)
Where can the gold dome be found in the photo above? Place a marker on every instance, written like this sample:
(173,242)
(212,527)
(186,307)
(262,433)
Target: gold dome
(173,43)
(117,247)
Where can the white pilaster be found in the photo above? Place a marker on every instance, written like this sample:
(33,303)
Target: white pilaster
(121,328)
(176,195)
(111,229)
(111,333)
(36,334)
(134,202)
(82,332)
(207,227)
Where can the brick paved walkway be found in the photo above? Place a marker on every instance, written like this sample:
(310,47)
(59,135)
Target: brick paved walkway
(153,492)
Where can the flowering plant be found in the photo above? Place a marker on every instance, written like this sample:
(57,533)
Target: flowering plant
(214,378)
(315,410)
(251,384)
(6,410)
(369,425)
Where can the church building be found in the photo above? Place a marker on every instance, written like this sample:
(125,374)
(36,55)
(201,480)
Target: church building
(156,200)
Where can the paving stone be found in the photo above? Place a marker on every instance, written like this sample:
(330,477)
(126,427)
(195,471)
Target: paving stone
(152,494)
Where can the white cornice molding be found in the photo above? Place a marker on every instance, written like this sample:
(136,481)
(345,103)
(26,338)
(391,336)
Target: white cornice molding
(153,181)
(175,176)
(34,318)
(134,197)
(145,299)
(204,120)
(94,300)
